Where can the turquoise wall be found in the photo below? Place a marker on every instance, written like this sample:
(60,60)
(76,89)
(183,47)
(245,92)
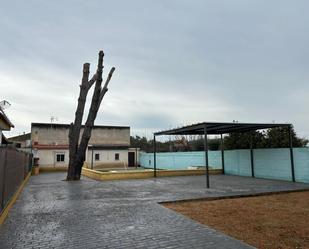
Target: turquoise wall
(237,162)
(268,163)
(181,160)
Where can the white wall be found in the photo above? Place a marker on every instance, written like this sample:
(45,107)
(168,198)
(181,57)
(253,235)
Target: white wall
(108,157)
(48,157)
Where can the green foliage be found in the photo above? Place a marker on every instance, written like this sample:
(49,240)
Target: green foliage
(242,140)
(147,145)
(271,138)
(141,142)
(279,137)
(198,144)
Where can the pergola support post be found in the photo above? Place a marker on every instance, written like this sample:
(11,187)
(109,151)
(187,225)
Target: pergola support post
(291,153)
(251,156)
(206,155)
(222,154)
(154,156)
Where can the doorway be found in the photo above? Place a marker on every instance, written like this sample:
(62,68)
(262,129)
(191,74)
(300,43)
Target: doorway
(131,159)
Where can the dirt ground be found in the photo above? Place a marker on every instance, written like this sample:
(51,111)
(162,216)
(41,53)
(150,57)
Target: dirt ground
(275,221)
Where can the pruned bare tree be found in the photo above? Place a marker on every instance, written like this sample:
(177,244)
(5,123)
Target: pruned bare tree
(77,151)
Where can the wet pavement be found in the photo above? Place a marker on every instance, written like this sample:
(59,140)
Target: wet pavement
(52,213)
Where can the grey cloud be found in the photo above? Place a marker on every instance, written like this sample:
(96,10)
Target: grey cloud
(176,61)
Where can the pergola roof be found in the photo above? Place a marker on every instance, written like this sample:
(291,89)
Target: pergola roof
(214,128)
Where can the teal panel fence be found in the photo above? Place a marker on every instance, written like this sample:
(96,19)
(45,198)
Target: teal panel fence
(301,159)
(237,162)
(181,160)
(273,164)
(268,163)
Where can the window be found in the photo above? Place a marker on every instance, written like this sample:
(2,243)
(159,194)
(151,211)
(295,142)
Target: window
(117,156)
(60,157)
(97,157)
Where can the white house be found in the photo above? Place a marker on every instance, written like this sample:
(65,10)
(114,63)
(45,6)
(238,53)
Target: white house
(109,146)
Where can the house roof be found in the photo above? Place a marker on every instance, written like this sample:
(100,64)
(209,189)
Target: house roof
(5,120)
(55,125)
(214,128)
(20,138)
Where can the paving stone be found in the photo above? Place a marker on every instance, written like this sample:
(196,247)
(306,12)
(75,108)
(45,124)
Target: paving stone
(51,213)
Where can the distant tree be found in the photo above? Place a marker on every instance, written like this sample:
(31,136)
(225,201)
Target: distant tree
(180,143)
(214,144)
(77,151)
(242,140)
(279,138)
(197,144)
(140,142)
(271,138)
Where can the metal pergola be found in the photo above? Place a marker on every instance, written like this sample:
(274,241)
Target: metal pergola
(220,128)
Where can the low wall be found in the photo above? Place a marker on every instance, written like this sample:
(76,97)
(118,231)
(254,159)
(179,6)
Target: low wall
(44,169)
(141,174)
(268,163)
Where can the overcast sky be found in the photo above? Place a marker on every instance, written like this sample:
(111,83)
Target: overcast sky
(177,62)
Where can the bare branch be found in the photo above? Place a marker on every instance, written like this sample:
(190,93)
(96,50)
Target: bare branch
(105,89)
(85,78)
(109,77)
(92,80)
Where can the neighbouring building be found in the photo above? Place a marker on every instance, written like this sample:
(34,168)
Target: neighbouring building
(5,125)
(21,142)
(109,146)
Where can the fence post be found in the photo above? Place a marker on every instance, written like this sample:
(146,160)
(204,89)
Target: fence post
(222,155)
(251,156)
(291,153)
(154,156)
(4,177)
(206,156)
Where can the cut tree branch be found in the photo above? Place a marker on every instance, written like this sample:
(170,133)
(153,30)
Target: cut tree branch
(105,89)
(92,80)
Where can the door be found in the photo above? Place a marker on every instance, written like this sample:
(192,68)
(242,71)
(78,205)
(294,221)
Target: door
(131,159)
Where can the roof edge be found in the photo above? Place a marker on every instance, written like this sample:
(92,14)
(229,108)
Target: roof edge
(68,125)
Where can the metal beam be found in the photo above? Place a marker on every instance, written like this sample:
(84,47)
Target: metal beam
(251,156)
(154,156)
(291,153)
(206,155)
(222,154)
(219,128)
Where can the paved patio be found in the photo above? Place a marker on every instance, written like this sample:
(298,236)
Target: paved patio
(51,213)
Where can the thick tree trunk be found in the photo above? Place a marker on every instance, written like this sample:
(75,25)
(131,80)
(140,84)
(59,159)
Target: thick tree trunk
(76,126)
(77,153)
